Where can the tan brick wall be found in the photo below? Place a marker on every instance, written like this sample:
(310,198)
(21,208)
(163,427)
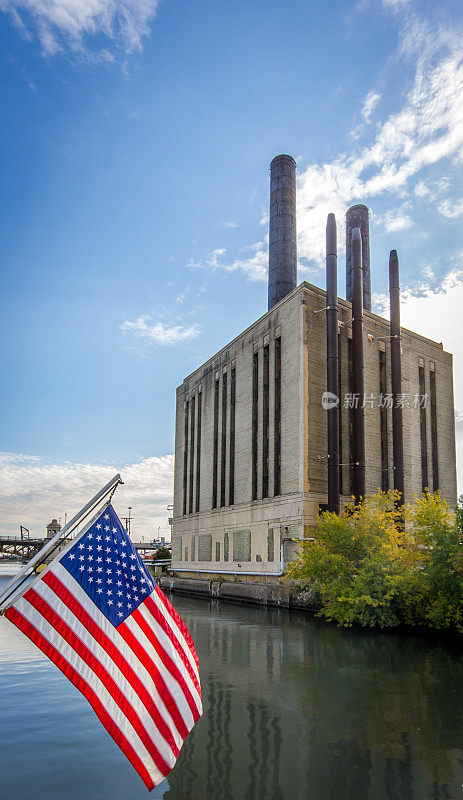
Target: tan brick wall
(303,426)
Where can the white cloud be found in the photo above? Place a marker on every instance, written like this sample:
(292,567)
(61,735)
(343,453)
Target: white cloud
(230,224)
(254,266)
(395,5)
(427,130)
(67,24)
(159,332)
(450,209)
(394,221)
(434,312)
(371,101)
(33,491)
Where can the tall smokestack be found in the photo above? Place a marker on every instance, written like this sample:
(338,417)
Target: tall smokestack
(358,217)
(332,361)
(282,265)
(396,376)
(358,386)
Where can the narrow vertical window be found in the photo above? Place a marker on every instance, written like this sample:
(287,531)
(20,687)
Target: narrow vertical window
(424,443)
(255,388)
(217,551)
(216,444)
(277,421)
(435,460)
(185,456)
(383,422)
(223,454)
(198,450)
(192,455)
(193,548)
(340,414)
(231,496)
(270,545)
(351,421)
(226,545)
(265,421)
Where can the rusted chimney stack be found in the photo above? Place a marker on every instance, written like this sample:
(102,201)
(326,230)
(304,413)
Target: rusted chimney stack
(332,362)
(358,217)
(396,376)
(282,265)
(358,384)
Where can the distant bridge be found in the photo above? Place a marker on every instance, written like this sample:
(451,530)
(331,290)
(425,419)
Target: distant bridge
(23,548)
(19,547)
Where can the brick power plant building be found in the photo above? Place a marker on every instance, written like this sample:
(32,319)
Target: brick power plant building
(257,453)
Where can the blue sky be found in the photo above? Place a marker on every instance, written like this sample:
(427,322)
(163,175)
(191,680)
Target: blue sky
(136,139)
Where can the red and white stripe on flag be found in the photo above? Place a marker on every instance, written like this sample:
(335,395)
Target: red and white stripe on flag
(140,675)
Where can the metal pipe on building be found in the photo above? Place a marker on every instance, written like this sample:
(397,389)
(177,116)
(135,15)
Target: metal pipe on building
(358,384)
(396,376)
(282,265)
(358,217)
(332,362)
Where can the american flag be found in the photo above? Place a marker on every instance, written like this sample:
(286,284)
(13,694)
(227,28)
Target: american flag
(97,613)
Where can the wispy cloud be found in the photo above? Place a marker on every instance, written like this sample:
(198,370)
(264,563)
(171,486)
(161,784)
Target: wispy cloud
(394,220)
(253,266)
(63,25)
(33,491)
(451,209)
(230,224)
(427,130)
(369,104)
(143,329)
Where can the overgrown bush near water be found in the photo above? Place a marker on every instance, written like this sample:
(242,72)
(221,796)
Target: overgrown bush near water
(377,565)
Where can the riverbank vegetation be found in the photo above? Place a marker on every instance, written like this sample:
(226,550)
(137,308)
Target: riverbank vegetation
(376,564)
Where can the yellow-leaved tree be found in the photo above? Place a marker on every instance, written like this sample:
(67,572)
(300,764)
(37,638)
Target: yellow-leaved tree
(375,564)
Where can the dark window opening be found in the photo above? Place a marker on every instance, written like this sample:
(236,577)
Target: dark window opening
(255,387)
(435,460)
(270,545)
(217,551)
(340,415)
(223,459)
(424,443)
(185,456)
(231,495)
(383,423)
(192,454)
(350,416)
(198,450)
(277,421)
(215,453)
(226,545)
(265,421)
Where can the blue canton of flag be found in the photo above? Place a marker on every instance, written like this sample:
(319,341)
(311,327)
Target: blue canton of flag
(109,569)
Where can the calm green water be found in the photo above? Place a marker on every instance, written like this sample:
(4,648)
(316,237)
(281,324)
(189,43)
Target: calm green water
(293,709)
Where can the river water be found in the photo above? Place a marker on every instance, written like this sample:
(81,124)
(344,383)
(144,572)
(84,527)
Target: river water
(294,710)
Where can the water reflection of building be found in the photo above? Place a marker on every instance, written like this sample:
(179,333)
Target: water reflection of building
(295,710)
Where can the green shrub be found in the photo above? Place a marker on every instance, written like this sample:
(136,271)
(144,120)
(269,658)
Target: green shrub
(377,565)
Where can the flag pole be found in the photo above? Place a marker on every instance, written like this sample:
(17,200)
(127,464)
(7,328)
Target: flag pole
(39,557)
(17,591)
